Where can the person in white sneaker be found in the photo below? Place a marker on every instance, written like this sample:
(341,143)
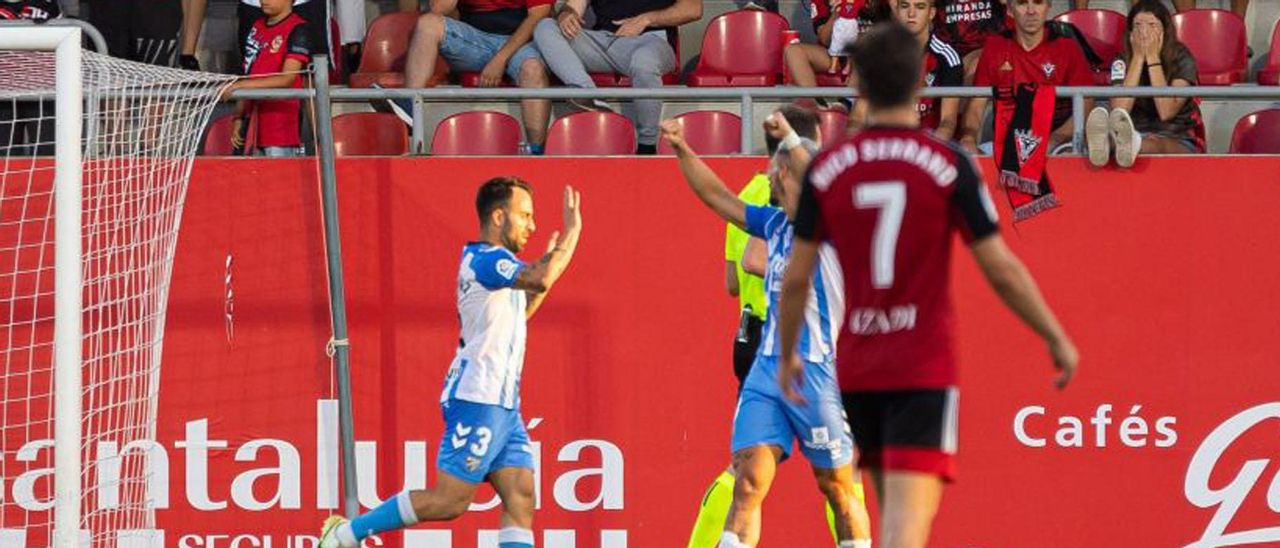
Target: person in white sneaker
(1152,57)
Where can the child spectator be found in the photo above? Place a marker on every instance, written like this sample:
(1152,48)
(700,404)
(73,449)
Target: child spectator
(803,60)
(1154,57)
(275,52)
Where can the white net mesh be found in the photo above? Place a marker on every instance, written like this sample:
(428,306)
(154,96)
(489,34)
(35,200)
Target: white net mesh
(142,126)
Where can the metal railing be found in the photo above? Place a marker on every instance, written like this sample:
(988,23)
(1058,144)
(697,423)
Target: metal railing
(746,97)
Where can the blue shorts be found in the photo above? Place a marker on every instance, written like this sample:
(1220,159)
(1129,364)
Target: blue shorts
(480,438)
(468,49)
(766,417)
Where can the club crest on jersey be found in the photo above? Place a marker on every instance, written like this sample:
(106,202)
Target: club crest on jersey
(928,79)
(1048,69)
(276,43)
(1026,142)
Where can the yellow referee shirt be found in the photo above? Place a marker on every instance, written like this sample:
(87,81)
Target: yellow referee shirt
(750,286)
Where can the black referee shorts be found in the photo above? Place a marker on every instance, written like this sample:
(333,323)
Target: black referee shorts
(745,344)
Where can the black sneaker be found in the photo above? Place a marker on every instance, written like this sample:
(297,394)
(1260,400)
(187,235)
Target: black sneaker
(590,105)
(402,108)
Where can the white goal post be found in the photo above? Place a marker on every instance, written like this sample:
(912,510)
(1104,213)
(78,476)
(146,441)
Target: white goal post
(81,337)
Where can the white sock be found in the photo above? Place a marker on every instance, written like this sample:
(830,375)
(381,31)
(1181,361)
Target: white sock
(730,540)
(864,543)
(346,537)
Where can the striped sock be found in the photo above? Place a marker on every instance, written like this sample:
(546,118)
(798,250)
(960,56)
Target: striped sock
(394,513)
(515,537)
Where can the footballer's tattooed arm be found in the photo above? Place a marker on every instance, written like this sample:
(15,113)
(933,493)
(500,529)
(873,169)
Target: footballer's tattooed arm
(537,278)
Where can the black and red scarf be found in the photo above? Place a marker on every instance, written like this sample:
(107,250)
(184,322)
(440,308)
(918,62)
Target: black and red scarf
(1024,121)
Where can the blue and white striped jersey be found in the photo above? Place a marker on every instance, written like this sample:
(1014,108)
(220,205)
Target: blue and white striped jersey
(824,310)
(490,357)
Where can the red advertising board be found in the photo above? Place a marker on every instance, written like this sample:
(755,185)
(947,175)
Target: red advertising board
(1166,275)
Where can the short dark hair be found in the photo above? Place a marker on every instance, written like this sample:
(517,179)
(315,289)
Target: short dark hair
(803,120)
(496,193)
(887,59)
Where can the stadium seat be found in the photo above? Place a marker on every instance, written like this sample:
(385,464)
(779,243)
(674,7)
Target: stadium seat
(709,132)
(591,134)
(369,134)
(1103,29)
(1257,133)
(477,133)
(1270,74)
(217,142)
(386,48)
(1217,40)
(833,123)
(616,80)
(741,48)
(471,79)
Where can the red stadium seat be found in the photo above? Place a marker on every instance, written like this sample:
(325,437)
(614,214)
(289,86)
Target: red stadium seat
(369,134)
(1218,41)
(827,79)
(1270,74)
(709,132)
(1103,29)
(217,142)
(741,48)
(833,123)
(472,80)
(386,48)
(591,134)
(615,80)
(477,133)
(1257,133)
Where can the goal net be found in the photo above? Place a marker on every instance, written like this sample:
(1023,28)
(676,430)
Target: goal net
(140,128)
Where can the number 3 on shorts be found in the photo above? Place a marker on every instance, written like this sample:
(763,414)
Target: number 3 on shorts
(481,446)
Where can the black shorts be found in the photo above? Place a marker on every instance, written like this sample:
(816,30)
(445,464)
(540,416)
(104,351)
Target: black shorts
(905,430)
(146,31)
(745,345)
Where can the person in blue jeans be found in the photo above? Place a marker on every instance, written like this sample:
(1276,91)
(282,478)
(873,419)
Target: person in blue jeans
(492,37)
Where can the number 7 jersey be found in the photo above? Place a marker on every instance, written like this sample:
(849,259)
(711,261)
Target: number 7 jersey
(888,200)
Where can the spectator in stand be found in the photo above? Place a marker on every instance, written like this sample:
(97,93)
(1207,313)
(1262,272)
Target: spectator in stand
(146,31)
(275,51)
(967,24)
(26,127)
(631,37)
(492,37)
(1238,7)
(1153,57)
(1033,53)
(313,12)
(804,60)
(942,67)
(192,23)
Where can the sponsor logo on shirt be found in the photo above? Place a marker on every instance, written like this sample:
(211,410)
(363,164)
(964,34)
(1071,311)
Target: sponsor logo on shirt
(506,268)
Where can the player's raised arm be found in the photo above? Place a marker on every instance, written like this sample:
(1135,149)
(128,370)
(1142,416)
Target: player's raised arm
(538,277)
(1015,286)
(704,182)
